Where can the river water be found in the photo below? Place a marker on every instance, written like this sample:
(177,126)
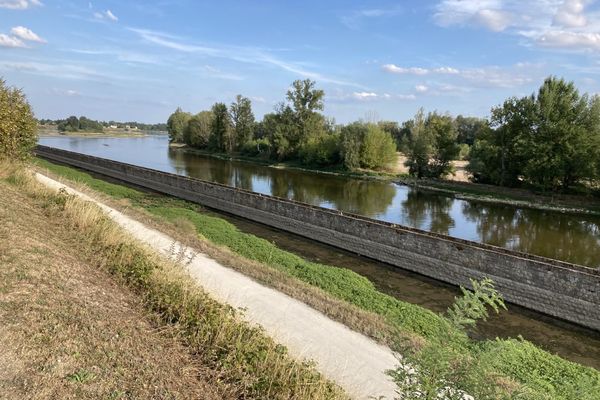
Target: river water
(568,237)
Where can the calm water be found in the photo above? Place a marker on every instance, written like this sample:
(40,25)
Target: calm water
(573,238)
(365,197)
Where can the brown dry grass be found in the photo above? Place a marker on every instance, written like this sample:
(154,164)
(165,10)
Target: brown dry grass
(68,330)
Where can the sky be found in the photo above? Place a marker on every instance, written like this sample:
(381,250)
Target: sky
(377,60)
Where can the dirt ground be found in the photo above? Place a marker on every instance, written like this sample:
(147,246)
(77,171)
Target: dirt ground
(460,173)
(68,330)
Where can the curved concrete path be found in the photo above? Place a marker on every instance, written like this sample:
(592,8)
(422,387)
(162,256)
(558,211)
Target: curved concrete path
(354,361)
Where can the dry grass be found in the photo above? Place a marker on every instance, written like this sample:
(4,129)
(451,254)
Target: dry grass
(68,330)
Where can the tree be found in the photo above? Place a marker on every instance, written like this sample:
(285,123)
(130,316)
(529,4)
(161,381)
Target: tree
(242,120)
(417,146)
(176,125)
(445,148)
(378,148)
(198,130)
(470,128)
(221,138)
(18,128)
(352,137)
(306,101)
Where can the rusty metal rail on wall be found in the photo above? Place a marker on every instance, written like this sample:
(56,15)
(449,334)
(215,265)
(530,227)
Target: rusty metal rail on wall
(556,288)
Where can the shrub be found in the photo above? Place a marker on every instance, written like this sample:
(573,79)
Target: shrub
(378,149)
(18,128)
(323,150)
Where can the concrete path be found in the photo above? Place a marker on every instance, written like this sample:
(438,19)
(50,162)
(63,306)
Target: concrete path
(354,361)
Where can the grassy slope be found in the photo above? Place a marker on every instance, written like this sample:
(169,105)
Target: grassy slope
(213,343)
(537,371)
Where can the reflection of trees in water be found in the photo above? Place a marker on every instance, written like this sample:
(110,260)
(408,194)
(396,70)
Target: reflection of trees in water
(351,195)
(420,207)
(554,235)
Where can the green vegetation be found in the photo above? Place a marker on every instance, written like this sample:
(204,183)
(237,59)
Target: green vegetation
(550,140)
(489,369)
(84,124)
(296,131)
(17,124)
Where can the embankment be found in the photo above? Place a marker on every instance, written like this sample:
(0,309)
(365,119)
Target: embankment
(553,287)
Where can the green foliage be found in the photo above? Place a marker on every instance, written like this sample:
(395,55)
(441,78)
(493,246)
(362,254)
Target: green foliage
(378,148)
(473,305)
(322,150)
(17,125)
(176,125)
(221,138)
(352,137)
(242,120)
(551,139)
(257,148)
(198,130)
(469,128)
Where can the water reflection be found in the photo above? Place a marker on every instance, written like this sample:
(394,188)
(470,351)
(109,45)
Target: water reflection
(573,238)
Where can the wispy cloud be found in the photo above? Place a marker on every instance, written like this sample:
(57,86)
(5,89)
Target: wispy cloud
(212,72)
(394,69)
(250,55)
(19,4)
(354,19)
(367,96)
(122,55)
(106,15)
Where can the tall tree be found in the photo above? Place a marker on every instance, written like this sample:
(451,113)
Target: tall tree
(306,101)
(198,130)
(221,138)
(444,145)
(176,125)
(242,120)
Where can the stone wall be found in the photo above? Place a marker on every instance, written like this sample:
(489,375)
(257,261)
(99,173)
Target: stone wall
(563,290)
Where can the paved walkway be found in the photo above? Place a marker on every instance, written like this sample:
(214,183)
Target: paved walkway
(354,361)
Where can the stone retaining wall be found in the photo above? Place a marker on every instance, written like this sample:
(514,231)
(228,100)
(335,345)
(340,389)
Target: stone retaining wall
(560,289)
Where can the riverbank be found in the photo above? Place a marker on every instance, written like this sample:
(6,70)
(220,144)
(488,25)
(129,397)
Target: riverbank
(83,281)
(460,189)
(339,291)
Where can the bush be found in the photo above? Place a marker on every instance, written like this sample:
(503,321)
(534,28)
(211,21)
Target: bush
(258,147)
(323,150)
(18,128)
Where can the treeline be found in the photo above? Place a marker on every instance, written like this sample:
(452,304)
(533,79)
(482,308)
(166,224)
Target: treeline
(295,131)
(74,124)
(549,140)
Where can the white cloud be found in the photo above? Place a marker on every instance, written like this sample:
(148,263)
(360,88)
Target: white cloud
(365,95)
(573,40)
(558,24)
(394,69)
(106,15)
(10,41)
(26,34)
(353,20)
(421,88)
(571,14)
(19,4)
(401,70)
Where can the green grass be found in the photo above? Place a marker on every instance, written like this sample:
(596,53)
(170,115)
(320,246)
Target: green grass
(541,374)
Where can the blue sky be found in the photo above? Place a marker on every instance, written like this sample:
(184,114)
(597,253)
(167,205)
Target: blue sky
(139,60)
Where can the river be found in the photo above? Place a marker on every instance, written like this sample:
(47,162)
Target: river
(574,238)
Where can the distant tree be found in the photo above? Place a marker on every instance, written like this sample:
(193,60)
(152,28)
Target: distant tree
(221,135)
(469,128)
(242,120)
(17,124)
(176,125)
(352,137)
(198,130)
(417,146)
(89,125)
(445,148)
(393,129)
(71,124)
(306,101)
